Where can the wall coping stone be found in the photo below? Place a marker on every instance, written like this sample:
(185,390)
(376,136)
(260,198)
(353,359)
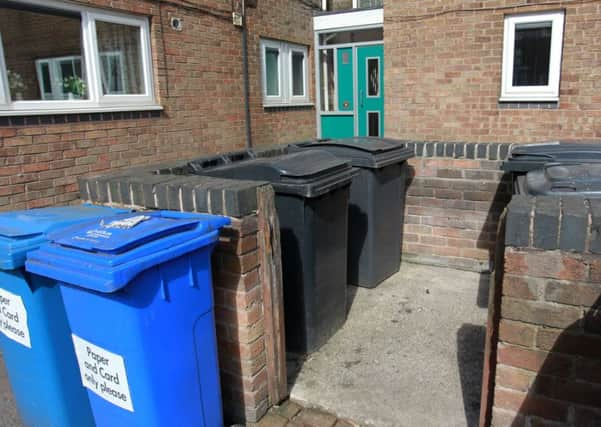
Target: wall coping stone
(168,186)
(568,223)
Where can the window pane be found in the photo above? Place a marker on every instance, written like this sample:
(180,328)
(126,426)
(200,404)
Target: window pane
(370,3)
(374,123)
(29,36)
(373,77)
(122,41)
(272,65)
(298,74)
(328,81)
(356,36)
(45,80)
(532,53)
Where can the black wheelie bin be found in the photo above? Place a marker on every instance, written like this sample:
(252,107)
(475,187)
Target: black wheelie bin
(376,204)
(565,180)
(529,157)
(312,191)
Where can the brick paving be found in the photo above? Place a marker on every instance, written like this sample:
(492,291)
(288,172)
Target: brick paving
(291,414)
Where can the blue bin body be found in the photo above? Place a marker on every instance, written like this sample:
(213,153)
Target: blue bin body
(41,363)
(141,297)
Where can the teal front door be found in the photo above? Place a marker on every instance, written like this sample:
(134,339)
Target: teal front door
(352,91)
(370,82)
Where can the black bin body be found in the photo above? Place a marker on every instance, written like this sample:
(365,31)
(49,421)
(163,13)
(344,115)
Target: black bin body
(312,191)
(565,180)
(376,204)
(525,158)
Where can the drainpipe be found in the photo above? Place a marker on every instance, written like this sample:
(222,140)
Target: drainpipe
(246,78)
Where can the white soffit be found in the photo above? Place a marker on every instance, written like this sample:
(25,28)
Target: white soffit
(355,18)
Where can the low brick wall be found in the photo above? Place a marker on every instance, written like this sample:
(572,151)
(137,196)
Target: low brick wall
(548,370)
(246,273)
(456,193)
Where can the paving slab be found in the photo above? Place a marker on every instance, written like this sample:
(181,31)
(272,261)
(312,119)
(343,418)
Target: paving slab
(410,353)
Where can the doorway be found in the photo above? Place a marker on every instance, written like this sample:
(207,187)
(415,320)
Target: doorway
(350,78)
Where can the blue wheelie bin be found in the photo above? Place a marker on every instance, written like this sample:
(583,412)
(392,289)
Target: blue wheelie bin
(139,299)
(35,338)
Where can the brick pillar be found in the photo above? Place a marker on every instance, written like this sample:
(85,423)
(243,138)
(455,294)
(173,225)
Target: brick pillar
(548,370)
(247,277)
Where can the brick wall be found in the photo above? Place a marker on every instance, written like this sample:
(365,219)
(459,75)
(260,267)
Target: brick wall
(247,278)
(198,74)
(549,349)
(443,73)
(456,193)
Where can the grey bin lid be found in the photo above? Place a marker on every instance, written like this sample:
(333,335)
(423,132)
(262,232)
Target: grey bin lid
(561,179)
(524,158)
(308,173)
(363,152)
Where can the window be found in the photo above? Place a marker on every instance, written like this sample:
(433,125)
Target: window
(100,61)
(532,57)
(284,73)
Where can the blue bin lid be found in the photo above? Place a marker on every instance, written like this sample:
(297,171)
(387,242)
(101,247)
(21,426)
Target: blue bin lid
(24,231)
(106,254)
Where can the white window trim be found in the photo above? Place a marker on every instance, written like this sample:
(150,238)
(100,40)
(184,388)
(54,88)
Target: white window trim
(285,74)
(96,102)
(549,93)
(279,98)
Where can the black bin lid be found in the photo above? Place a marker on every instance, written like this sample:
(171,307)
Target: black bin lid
(308,173)
(524,158)
(561,179)
(363,152)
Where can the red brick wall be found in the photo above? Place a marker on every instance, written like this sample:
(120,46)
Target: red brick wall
(198,74)
(443,73)
(454,200)
(549,350)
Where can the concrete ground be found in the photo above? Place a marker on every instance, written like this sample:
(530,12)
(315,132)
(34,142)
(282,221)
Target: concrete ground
(8,412)
(410,353)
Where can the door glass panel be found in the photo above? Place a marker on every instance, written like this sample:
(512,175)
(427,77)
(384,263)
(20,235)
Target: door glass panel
(532,54)
(328,80)
(373,118)
(272,65)
(298,74)
(123,41)
(373,77)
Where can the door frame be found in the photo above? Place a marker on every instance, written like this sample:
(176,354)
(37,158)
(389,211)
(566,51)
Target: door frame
(317,67)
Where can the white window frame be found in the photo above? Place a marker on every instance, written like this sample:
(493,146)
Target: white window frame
(96,101)
(550,92)
(304,52)
(285,74)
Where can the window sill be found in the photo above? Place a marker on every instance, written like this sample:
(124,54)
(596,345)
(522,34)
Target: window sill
(289,105)
(90,110)
(531,99)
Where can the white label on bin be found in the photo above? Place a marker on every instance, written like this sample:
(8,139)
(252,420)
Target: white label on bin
(103,372)
(13,318)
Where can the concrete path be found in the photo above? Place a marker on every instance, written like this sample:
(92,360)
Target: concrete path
(8,412)
(410,353)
